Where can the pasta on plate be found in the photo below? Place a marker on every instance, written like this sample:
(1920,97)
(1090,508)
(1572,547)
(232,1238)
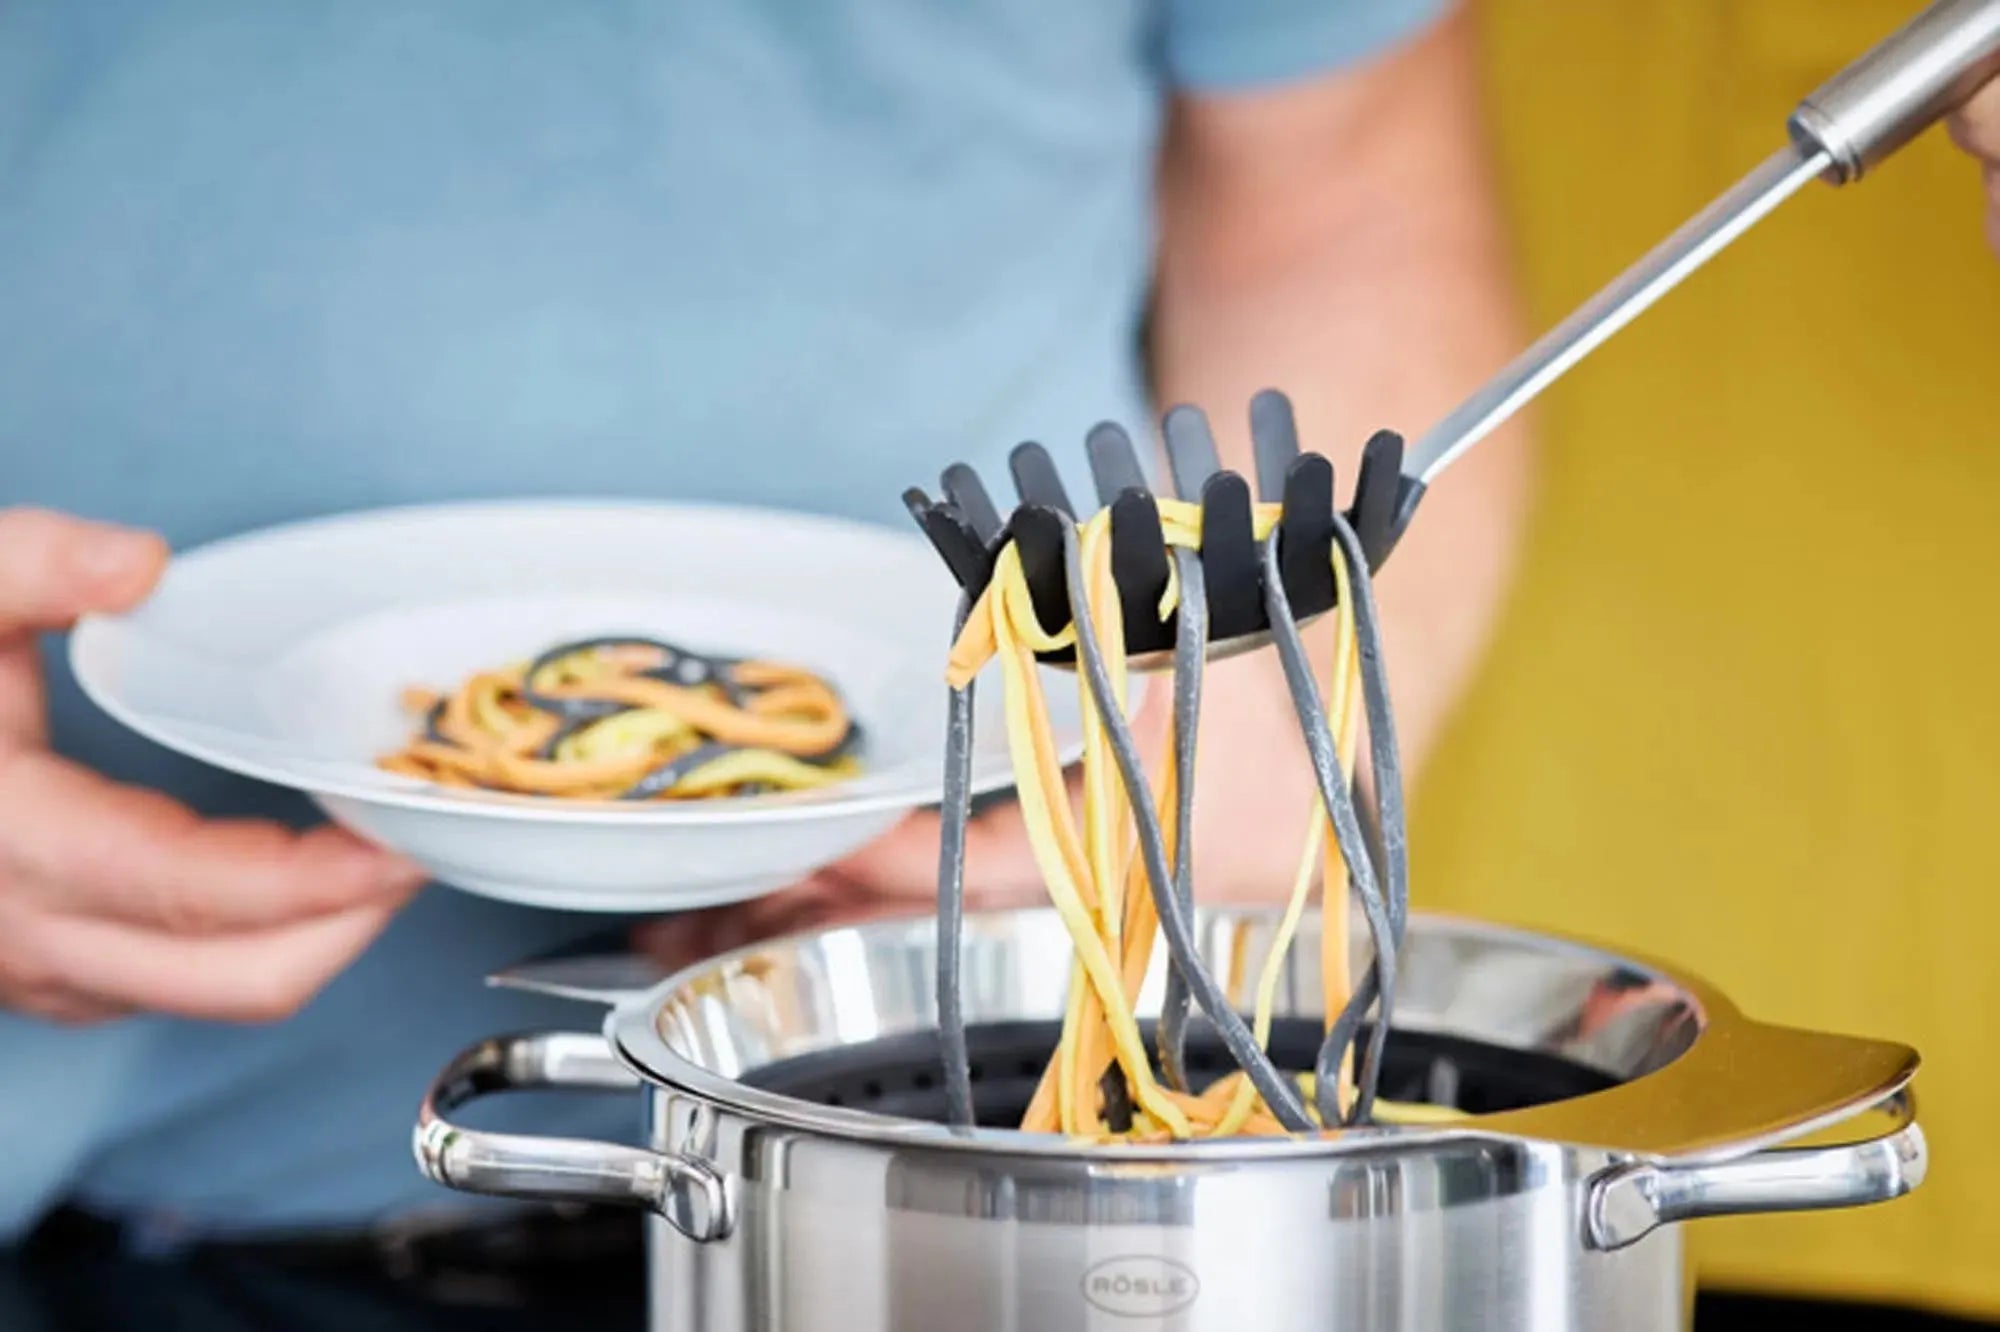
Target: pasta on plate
(633,719)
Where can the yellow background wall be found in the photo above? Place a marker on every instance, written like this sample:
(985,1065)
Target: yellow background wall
(1743,712)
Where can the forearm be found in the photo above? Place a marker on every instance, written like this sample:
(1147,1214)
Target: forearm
(1360,268)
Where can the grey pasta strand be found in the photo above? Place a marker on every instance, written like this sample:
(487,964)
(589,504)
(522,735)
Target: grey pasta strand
(1323,750)
(954,815)
(1385,763)
(1338,799)
(1278,1091)
(1190,656)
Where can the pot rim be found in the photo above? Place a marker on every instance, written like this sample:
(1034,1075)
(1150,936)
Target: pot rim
(1739,1087)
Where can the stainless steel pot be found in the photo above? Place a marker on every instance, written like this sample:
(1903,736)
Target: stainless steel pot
(781,1204)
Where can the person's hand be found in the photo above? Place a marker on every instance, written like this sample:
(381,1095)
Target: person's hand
(896,874)
(114,899)
(1975,127)
(1255,796)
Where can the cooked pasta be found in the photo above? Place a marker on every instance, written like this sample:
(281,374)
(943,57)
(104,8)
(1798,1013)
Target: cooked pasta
(1101,1084)
(631,719)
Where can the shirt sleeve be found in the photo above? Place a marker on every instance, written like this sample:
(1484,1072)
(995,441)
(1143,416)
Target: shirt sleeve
(1220,45)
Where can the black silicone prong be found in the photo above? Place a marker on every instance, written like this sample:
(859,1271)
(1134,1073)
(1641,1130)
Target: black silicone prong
(1376,494)
(1114,463)
(964,489)
(1274,432)
(1305,535)
(1229,559)
(1139,568)
(1037,481)
(953,538)
(1190,450)
(1038,534)
(1408,495)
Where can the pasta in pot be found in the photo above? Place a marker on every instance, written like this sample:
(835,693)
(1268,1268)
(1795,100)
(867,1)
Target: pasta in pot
(1101,1084)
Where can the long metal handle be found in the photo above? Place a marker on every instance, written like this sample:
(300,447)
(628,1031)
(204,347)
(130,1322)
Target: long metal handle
(1909,82)
(687,1192)
(1876,105)
(1697,241)
(1627,1203)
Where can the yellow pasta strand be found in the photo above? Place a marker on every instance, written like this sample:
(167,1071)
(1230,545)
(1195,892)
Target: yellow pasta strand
(1036,773)
(777,727)
(1094,875)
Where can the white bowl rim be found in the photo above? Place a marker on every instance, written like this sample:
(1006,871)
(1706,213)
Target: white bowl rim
(797,807)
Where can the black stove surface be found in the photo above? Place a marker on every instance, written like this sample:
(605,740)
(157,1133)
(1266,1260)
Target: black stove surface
(66,1282)
(72,1277)
(104,1294)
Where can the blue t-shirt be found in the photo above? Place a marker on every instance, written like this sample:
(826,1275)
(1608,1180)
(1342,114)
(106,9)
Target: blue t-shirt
(266,259)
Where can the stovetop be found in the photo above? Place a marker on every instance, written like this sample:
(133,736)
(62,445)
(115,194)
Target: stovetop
(96,1293)
(89,1294)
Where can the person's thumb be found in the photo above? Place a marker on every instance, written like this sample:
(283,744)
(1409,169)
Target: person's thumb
(901,863)
(54,568)
(999,863)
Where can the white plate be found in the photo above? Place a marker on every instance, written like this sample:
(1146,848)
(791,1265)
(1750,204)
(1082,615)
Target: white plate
(281,654)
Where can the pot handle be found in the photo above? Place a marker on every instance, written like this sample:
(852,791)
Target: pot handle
(687,1192)
(1628,1202)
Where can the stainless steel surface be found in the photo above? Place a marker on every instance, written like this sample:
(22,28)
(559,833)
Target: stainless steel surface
(1697,241)
(1862,115)
(1913,79)
(1627,1203)
(1715,1082)
(854,1235)
(687,1193)
(844,1219)
(604,978)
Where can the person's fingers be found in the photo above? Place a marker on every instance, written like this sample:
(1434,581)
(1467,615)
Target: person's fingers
(902,862)
(54,568)
(63,1007)
(1975,126)
(692,936)
(897,874)
(23,707)
(90,847)
(676,941)
(824,911)
(259,977)
(1992,174)
(999,861)
(821,902)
